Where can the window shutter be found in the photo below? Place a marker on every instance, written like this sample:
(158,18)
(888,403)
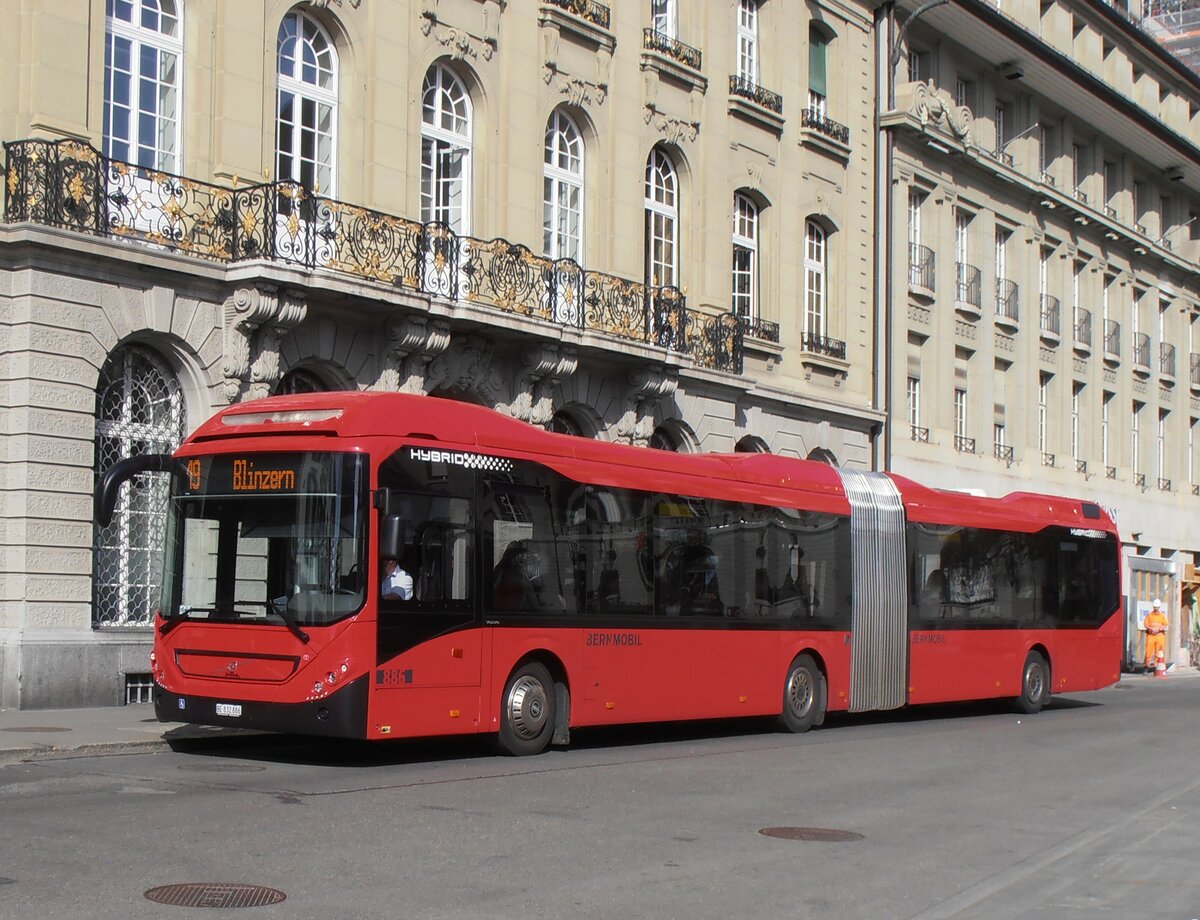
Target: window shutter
(817,48)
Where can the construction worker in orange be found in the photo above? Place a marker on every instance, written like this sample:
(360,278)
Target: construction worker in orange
(1156,634)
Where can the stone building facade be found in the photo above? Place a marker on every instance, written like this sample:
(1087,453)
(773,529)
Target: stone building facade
(650,223)
(1043,301)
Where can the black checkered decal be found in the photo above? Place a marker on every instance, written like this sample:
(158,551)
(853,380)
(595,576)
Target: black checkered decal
(461,458)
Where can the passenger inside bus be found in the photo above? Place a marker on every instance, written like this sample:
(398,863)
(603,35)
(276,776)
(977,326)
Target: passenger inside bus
(517,578)
(700,591)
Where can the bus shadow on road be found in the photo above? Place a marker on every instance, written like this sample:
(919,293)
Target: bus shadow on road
(352,754)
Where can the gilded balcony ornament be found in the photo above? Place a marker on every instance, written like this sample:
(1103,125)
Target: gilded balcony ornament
(76,189)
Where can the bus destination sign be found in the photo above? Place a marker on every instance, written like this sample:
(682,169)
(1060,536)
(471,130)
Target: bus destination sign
(232,474)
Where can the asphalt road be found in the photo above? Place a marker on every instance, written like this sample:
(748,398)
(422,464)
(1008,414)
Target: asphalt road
(1089,809)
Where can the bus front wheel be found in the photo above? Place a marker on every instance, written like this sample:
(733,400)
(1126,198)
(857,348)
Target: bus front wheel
(1035,683)
(803,696)
(527,711)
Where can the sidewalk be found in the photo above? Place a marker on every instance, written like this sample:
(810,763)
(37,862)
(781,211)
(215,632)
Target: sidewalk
(41,734)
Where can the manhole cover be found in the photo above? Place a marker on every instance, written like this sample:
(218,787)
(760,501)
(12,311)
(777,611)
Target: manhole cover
(815,834)
(35,728)
(215,894)
(222,768)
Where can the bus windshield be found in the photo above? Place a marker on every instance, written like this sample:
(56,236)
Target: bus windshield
(267,537)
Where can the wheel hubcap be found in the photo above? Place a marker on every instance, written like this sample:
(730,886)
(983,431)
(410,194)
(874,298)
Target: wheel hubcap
(527,707)
(1033,682)
(799,693)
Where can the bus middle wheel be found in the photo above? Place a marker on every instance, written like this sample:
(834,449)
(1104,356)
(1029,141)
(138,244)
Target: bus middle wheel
(1035,683)
(803,696)
(527,711)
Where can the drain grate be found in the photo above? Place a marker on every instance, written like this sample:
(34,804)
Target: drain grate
(815,834)
(45,729)
(215,894)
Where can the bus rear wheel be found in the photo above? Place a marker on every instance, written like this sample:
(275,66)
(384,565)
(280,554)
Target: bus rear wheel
(1035,683)
(803,696)
(527,711)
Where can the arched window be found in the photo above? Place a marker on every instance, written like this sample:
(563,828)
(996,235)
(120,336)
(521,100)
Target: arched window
(306,123)
(745,257)
(751,445)
(564,423)
(664,439)
(139,410)
(300,380)
(562,186)
(662,218)
(143,51)
(814,284)
(445,150)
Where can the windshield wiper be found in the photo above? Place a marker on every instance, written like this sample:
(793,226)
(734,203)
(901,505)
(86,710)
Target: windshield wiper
(184,614)
(280,610)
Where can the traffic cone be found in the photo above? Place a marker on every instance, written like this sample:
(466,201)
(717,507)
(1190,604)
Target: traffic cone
(1160,668)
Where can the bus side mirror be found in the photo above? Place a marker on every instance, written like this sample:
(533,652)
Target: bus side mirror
(391,537)
(116,476)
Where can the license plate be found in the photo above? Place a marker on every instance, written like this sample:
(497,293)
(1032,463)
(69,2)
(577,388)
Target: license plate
(229,709)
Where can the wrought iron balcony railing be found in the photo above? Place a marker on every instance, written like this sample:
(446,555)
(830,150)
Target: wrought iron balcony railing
(1083,327)
(1110,472)
(811,118)
(1194,370)
(1050,314)
(759,328)
(917,433)
(748,89)
(1112,338)
(968,287)
(1166,359)
(920,266)
(1048,179)
(1196,490)
(823,345)
(72,186)
(1081,466)
(1164,485)
(1004,452)
(1080,195)
(654,40)
(596,13)
(1139,480)
(964,445)
(1000,156)
(1110,211)
(1007,300)
(1141,350)
(1047,459)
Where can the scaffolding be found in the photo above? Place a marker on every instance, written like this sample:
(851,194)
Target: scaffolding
(1176,25)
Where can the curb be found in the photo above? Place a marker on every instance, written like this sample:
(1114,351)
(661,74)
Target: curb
(99,749)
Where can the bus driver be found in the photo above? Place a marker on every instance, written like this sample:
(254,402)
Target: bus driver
(397,583)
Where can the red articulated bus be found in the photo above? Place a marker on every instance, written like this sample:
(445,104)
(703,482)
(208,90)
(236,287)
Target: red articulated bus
(560,582)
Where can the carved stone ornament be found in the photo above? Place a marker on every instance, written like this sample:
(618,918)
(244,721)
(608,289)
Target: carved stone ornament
(673,130)
(326,4)
(543,368)
(647,385)
(934,107)
(466,367)
(256,320)
(412,343)
(460,43)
